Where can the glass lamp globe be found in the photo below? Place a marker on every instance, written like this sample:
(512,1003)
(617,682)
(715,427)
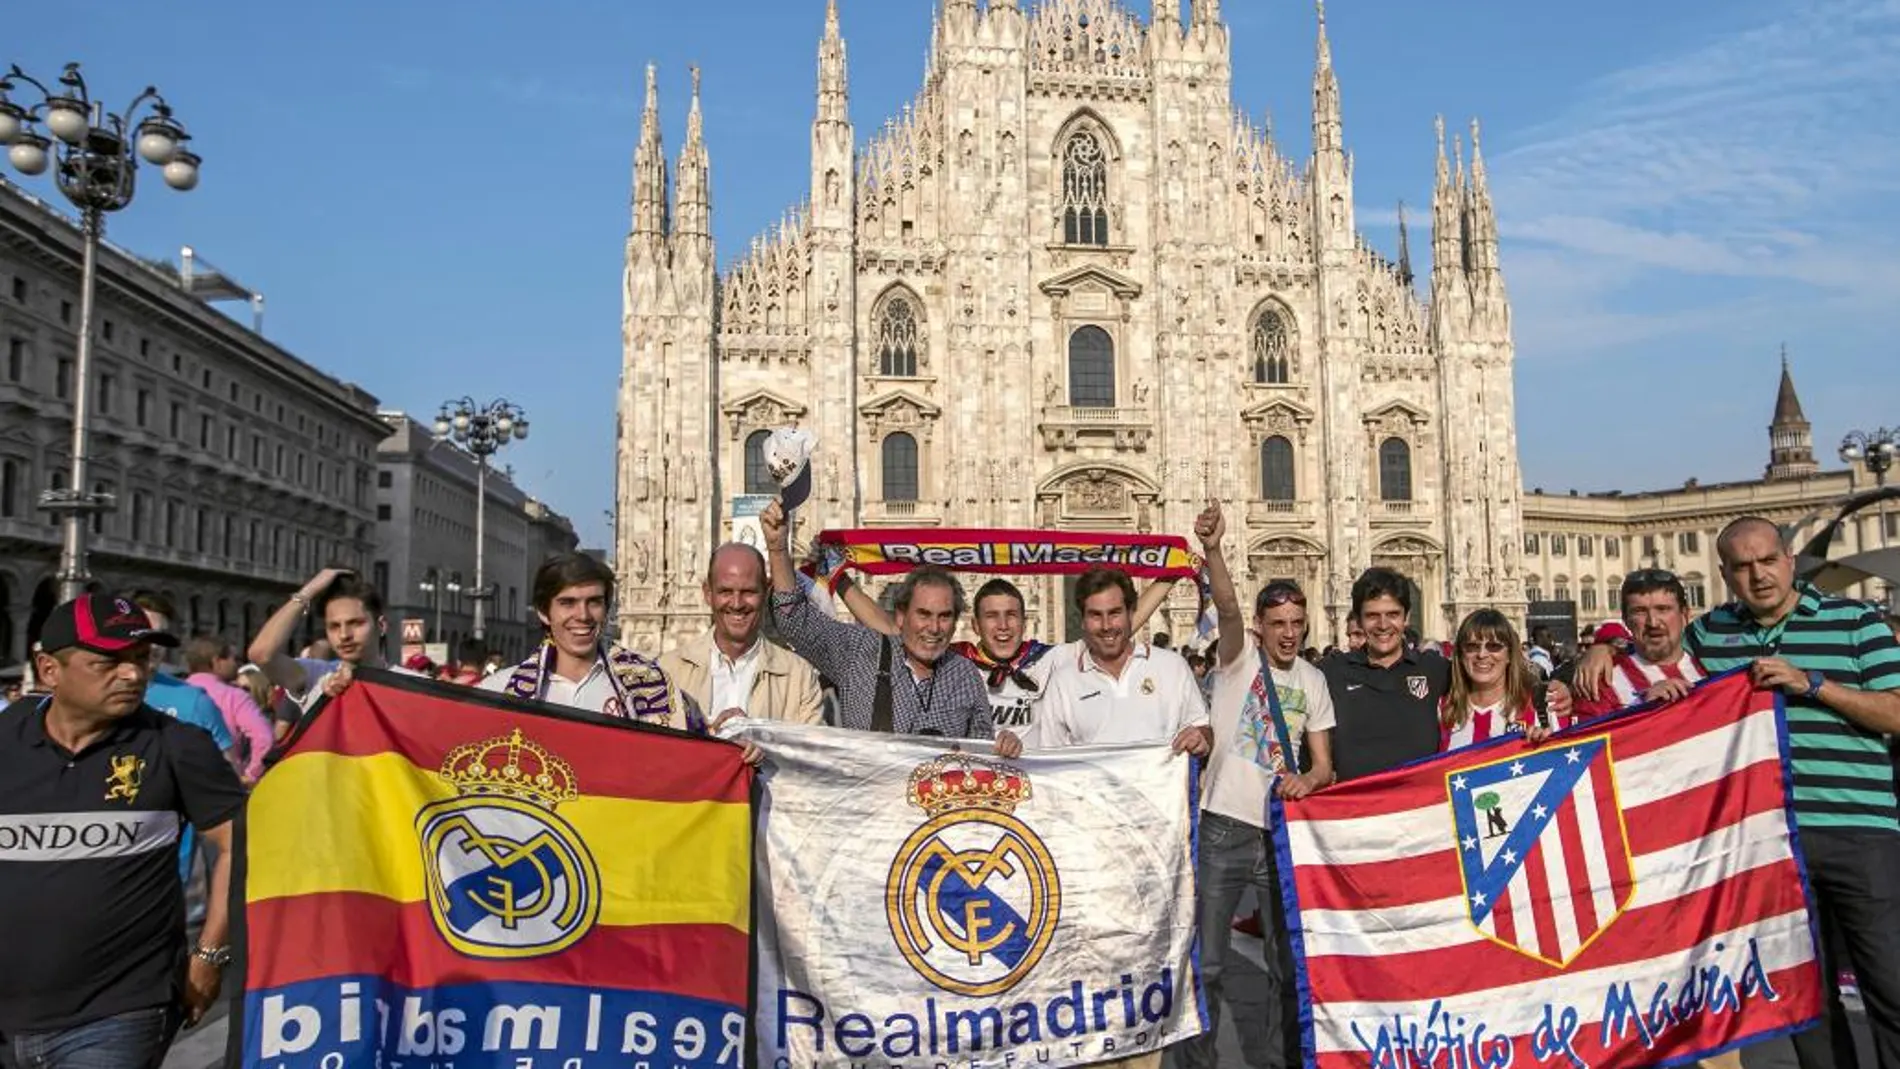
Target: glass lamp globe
(521,428)
(1887,449)
(461,421)
(158,142)
(66,118)
(28,154)
(12,122)
(182,172)
(504,426)
(1850,452)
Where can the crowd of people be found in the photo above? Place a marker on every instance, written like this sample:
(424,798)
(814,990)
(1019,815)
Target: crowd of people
(134,729)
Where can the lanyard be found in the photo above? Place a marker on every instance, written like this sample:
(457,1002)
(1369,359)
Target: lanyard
(1279,719)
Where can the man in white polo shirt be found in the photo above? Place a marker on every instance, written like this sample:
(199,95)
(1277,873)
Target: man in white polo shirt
(1259,736)
(1115,689)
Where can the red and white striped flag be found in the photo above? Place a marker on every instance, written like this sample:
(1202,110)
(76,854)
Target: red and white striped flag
(1627,894)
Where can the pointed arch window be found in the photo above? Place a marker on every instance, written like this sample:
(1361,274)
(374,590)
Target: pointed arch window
(758,477)
(1084,190)
(900,467)
(1395,470)
(1091,369)
(1272,351)
(1276,469)
(898,338)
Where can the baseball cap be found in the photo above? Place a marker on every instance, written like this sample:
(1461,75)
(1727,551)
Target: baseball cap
(788,457)
(102,623)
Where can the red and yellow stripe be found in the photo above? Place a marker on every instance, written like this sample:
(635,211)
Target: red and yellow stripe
(335,881)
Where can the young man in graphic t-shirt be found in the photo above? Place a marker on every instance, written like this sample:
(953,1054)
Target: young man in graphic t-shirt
(1248,762)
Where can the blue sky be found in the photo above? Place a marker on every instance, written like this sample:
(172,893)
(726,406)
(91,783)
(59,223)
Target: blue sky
(434,196)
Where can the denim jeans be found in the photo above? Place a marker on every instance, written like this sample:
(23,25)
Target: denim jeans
(1855,876)
(1234,856)
(134,1040)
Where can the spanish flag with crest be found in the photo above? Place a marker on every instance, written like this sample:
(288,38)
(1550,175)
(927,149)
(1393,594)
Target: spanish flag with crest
(432,875)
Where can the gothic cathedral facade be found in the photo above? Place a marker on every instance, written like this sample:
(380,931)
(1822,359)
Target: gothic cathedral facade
(1071,286)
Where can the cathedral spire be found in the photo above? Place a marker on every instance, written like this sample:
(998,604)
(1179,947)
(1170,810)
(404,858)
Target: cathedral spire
(694,215)
(649,165)
(1790,437)
(1481,228)
(834,94)
(1328,135)
(1405,250)
(1447,218)
(1207,12)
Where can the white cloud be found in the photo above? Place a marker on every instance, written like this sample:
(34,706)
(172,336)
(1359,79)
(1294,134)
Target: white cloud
(1769,155)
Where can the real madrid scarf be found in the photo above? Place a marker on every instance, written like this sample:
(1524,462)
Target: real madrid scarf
(879,551)
(1015,668)
(641,689)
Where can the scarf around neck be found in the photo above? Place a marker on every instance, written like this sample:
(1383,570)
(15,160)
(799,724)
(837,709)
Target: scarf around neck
(641,690)
(1015,668)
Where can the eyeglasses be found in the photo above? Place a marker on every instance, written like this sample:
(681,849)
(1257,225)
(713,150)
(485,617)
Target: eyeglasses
(1492,646)
(1278,594)
(1645,576)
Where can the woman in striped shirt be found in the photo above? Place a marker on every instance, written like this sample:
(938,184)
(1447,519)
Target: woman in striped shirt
(1493,687)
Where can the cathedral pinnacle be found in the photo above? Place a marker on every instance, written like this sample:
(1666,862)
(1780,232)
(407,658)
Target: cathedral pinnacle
(834,93)
(649,165)
(694,214)
(1405,249)
(1327,122)
(1325,46)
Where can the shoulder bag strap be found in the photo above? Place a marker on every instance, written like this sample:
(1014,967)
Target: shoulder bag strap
(883,718)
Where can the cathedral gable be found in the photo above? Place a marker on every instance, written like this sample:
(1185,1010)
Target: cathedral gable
(762,410)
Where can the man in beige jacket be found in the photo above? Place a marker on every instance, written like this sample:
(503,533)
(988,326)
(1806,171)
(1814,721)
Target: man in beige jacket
(732,670)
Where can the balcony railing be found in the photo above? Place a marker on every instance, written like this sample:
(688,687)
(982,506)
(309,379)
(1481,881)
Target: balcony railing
(922,513)
(1063,426)
(1266,512)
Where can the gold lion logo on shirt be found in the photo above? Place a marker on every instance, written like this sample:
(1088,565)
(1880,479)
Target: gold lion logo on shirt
(124,777)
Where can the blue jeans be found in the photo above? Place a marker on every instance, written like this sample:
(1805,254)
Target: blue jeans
(1234,856)
(134,1040)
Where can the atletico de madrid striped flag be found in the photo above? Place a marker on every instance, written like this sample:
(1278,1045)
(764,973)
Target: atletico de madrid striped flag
(436,876)
(1630,893)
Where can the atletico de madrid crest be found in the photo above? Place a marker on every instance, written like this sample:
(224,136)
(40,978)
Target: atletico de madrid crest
(1542,848)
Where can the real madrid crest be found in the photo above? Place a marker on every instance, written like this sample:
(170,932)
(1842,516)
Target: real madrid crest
(507,878)
(973,896)
(1148,686)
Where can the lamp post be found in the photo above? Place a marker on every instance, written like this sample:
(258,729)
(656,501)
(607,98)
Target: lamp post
(96,155)
(481,429)
(1876,449)
(435,586)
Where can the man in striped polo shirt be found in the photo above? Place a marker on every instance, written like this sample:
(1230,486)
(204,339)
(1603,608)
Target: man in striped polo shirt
(1656,667)
(1839,666)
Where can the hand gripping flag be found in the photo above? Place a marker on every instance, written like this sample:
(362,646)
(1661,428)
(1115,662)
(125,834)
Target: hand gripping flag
(1628,894)
(435,875)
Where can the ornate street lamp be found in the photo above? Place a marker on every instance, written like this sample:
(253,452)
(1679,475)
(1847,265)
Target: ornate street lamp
(95,156)
(482,430)
(1876,449)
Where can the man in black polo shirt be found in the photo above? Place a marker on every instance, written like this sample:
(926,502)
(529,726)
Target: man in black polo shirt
(94,787)
(1385,695)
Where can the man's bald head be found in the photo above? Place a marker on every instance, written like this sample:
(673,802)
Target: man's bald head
(736,555)
(1748,528)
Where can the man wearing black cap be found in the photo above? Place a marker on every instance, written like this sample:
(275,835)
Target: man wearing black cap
(94,788)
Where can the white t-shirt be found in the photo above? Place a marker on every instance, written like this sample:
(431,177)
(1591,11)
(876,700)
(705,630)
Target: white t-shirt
(1156,698)
(1013,708)
(589,695)
(1247,754)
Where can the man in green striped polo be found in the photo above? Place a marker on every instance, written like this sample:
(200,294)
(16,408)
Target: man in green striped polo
(1839,667)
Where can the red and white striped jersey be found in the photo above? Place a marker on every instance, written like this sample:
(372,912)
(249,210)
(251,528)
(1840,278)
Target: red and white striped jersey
(1632,678)
(1488,722)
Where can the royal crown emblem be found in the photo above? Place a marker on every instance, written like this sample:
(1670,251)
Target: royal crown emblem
(957,781)
(511,767)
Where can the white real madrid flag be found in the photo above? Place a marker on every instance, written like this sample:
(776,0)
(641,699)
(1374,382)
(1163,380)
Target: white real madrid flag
(923,906)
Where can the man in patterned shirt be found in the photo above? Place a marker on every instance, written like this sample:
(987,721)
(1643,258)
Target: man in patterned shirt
(908,684)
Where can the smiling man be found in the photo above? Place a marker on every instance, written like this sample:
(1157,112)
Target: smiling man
(1658,668)
(910,683)
(576,666)
(732,670)
(1116,689)
(1385,695)
(94,788)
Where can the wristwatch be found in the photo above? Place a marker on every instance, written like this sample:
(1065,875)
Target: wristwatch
(216,957)
(1815,682)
